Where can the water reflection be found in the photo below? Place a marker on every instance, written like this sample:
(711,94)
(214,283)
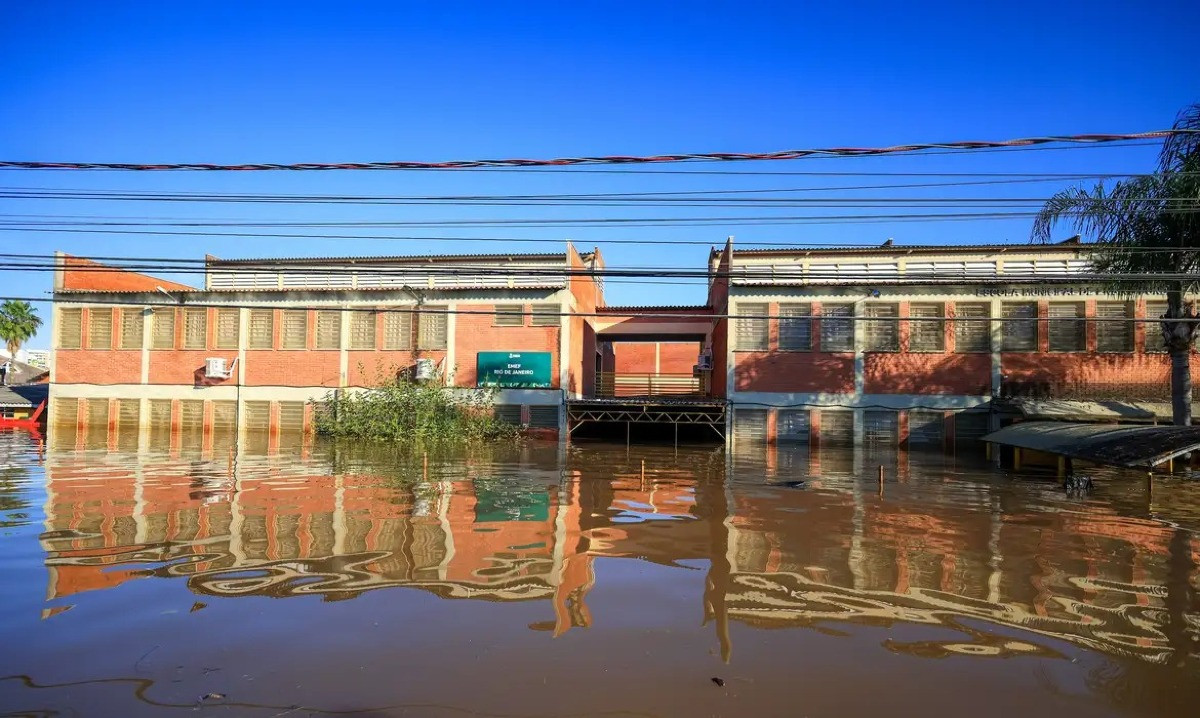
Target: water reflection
(973,563)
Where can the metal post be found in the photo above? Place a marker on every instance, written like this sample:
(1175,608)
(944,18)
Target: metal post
(627,425)
(677,436)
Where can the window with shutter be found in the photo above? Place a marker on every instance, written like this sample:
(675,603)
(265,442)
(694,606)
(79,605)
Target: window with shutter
(750,426)
(397,330)
(295,329)
(1116,334)
(795,327)
(792,426)
(132,322)
(1066,335)
(837,428)
(1019,328)
(545,315)
(972,328)
(195,328)
(432,328)
(329,329)
(362,330)
(509,315)
(837,328)
(70,328)
(1154,337)
(880,429)
(100,328)
(752,327)
(228,327)
(262,329)
(882,331)
(926,428)
(927,328)
(162,329)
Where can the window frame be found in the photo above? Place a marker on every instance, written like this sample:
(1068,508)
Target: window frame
(438,317)
(1079,324)
(965,322)
(158,318)
(195,312)
(250,335)
(1107,324)
(509,315)
(828,320)
(139,322)
(801,314)
(1154,329)
(97,318)
(747,322)
(869,335)
(403,322)
(1006,322)
(939,322)
(224,312)
(360,318)
(76,341)
(545,314)
(292,314)
(328,315)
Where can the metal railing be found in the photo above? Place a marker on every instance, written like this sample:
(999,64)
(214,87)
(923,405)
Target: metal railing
(613,384)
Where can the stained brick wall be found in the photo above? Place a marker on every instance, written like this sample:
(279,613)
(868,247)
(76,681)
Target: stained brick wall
(793,372)
(476,332)
(905,373)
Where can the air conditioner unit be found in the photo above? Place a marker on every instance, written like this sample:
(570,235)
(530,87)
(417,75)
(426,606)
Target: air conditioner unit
(215,368)
(426,370)
(705,362)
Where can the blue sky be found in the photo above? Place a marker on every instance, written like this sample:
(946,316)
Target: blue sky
(326,82)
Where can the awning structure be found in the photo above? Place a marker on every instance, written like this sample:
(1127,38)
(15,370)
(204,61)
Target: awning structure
(1125,446)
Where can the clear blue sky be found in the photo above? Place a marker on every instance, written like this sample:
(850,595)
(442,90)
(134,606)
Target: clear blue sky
(295,81)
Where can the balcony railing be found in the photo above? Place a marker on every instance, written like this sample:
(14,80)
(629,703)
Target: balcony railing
(614,385)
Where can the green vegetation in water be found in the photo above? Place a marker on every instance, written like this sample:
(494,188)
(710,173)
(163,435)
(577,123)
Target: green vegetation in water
(402,410)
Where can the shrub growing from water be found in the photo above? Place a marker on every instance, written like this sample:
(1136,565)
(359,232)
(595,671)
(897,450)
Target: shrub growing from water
(402,410)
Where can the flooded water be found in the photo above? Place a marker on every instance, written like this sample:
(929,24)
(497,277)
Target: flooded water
(588,580)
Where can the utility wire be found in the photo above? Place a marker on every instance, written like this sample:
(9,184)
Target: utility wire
(960,145)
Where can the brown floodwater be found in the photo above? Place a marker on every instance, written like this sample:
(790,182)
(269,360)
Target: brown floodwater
(164,576)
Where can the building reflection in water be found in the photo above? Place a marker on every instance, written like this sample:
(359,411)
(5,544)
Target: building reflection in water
(949,545)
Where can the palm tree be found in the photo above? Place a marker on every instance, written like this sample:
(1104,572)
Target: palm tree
(18,323)
(1147,225)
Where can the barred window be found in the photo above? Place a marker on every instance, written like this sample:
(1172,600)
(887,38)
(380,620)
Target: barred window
(509,315)
(195,328)
(545,315)
(228,327)
(262,328)
(295,329)
(397,330)
(162,329)
(362,330)
(1116,335)
(795,327)
(883,331)
(1019,328)
(792,426)
(972,328)
(1154,337)
(1067,336)
(752,333)
(329,329)
(432,328)
(928,332)
(100,328)
(837,328)
(132,322)
(70,328)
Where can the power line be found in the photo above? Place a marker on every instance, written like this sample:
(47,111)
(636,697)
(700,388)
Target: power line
(960,145)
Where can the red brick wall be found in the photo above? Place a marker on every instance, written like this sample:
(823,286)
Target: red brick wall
(885,373)
(634,357)
(83,366)
(76,276)
(293,368)
(366,368)
(677,357)
(474,333)
(1069,368)
(639,357)
(794,372)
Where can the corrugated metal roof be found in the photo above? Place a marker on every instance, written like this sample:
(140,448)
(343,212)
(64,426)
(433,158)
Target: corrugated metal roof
(248,290)
(1125,446)
(218,262)
(1066,246)
(23,395)
(657,308)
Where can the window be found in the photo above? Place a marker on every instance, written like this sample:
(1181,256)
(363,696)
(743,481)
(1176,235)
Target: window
(70,328)
(291,416)
(160,413)
(926,428)
(256,415)
(162,329)
(262,328)
(131,329)
(837,428)
(749,426)
(1066,335)
(100,328)
(509,315)
(751,332)
(228,327)
(882,333)
(880,429)
(397,330)
(508,413)
(1115,335)
(546,315)
(837,328)
(1019,329)
(329,329)
(432,328)
(543,417)
(928,332)
(1154,337)
(362,330)
(792,426)
(972,328)
(195,328)
(295,329)
(795,327)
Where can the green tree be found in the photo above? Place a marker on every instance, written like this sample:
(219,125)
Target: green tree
(1147,225)
(18,323)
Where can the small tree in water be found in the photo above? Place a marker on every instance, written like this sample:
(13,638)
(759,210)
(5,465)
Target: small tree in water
(1149,225)
(399,409)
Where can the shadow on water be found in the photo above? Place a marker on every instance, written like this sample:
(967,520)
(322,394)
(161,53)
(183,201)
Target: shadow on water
(132,567)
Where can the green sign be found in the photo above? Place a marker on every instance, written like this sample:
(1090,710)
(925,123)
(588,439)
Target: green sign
(520,369)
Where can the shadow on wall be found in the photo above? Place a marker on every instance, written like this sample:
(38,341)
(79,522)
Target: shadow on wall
(1090,376)
(794,372)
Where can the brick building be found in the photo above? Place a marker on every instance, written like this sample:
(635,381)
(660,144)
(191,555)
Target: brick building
(264,338)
